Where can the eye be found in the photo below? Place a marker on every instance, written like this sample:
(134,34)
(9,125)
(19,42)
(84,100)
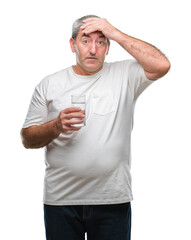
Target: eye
(100,43)
(85,41)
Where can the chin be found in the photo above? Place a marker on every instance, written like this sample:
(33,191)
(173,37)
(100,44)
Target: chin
(93,69)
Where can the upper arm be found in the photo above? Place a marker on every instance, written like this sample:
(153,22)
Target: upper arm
(138,80)
(151,76)
(160,72)
(37,112)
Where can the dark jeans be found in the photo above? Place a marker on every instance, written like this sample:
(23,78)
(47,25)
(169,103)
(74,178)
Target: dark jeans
(101,222)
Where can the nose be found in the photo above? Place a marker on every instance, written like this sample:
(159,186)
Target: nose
(93,48)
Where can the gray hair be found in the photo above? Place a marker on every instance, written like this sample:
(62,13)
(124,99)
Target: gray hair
(78,23)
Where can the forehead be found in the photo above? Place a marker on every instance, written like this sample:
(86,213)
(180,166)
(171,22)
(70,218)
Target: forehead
(93,35)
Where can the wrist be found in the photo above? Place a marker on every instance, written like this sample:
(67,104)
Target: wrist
(56,128)
(117,35)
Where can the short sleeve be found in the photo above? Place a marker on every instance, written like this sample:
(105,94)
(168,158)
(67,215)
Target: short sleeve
(37,112)
(137,79)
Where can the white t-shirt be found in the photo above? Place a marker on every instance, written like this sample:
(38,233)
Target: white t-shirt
(90,166)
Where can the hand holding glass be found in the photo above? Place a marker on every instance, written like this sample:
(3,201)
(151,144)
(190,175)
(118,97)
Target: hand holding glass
(79,101)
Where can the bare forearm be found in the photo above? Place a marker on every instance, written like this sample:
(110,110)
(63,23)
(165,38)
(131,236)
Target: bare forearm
(39,136)
(152,60)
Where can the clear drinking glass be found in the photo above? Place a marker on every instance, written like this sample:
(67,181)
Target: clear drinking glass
(79,101)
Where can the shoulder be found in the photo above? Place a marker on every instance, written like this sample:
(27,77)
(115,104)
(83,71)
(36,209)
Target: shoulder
(54,78)
(48,83)
(130,67)
(123,64)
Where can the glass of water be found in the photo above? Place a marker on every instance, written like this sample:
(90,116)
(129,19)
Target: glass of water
(79,101)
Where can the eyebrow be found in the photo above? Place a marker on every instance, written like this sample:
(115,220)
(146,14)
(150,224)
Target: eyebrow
(86,35)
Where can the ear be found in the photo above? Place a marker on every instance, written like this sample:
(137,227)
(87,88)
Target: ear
(72,45)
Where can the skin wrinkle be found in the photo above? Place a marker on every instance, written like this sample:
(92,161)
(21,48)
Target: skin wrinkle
(87,47)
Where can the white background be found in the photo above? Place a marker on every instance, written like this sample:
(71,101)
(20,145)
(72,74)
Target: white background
(34,43)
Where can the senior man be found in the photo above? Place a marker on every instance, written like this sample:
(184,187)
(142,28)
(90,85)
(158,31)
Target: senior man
(87,185)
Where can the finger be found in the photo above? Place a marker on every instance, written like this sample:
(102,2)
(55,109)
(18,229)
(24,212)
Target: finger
(72,128)
(92,22)
(90,29)
(73,121)
(80,114)
(71,109)
(86,25)
(91,19)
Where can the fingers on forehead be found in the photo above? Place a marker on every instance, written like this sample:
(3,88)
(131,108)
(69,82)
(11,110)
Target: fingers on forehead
(90,19)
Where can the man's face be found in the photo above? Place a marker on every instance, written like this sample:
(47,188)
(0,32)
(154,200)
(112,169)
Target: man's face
(90,52)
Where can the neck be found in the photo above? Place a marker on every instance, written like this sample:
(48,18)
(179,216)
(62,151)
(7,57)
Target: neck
(80,71)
